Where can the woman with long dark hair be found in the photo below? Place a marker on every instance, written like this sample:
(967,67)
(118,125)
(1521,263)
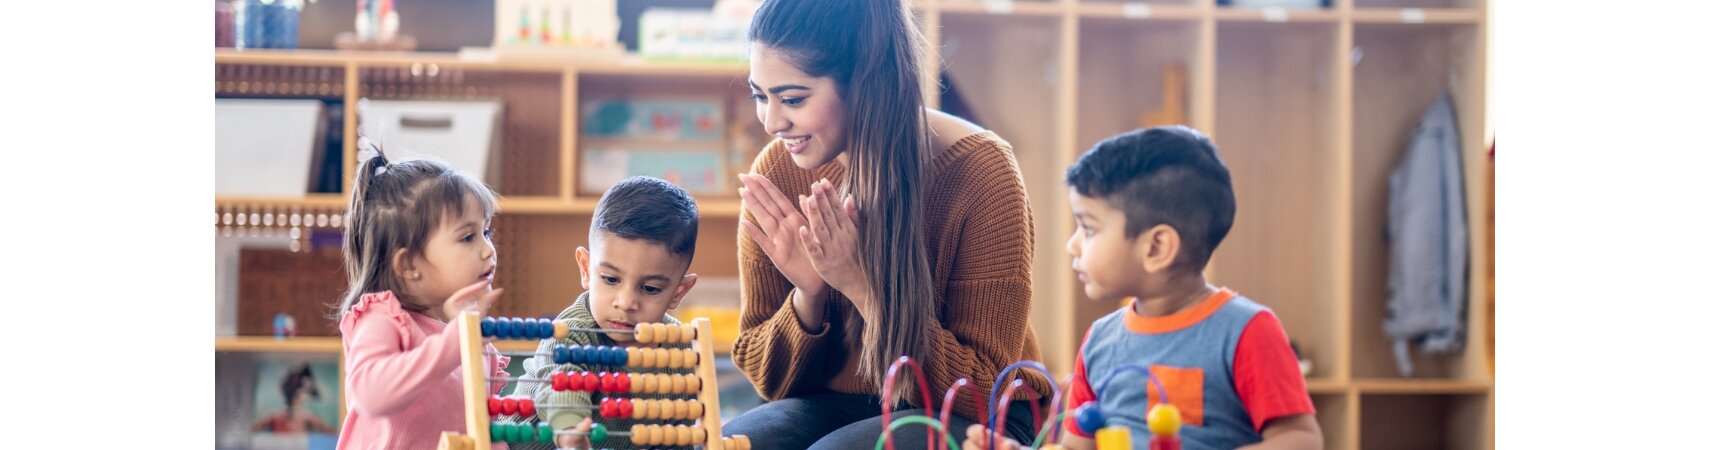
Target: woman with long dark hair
(874,228)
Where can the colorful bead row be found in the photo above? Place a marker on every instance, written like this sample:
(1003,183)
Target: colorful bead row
(523,328)
(622,382)
(510,406)
(516,433)
(650,409)
(589,354)
(658,358)
(668,434)
(663,333)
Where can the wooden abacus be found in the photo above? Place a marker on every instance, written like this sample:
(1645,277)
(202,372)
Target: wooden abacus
(479,405)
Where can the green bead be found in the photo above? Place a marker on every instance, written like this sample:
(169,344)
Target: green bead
(598,434)
(545,433)
(496,432)
(521,433)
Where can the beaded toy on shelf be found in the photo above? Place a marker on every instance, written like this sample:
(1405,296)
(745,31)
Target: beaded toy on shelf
(1164,420)
(699,385)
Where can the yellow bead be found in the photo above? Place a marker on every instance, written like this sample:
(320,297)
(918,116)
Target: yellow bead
(673,334)
(692,384)
(691,359)
(1114,436)
(560,330)
(1164,420)
(695,410)
(689,332)
(638,435)
(643,333)
(634,356)
(676,359)
(698,435)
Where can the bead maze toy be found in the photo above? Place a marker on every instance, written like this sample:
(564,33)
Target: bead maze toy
(1163,420)
(699,382)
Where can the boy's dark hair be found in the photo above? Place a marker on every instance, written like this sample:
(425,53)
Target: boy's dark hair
(650,209)
(1164,175)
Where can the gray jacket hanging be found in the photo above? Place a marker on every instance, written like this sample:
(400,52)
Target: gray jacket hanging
(1427,232)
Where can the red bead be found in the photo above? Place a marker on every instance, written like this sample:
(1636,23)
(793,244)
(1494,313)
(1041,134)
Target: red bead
(526,407)
(606,383)
(625,408)
(622,382)
(576,382)
(560,381)
(510,405)
(608,408)
(494,406)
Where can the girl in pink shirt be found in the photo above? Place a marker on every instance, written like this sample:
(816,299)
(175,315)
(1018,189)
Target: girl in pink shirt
(418,249)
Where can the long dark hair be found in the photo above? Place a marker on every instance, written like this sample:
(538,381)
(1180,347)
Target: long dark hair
(873,50)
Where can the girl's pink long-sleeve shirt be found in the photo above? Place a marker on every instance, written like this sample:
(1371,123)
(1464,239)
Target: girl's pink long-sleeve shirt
(403,386)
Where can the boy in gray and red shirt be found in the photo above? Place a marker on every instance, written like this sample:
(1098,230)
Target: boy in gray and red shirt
(1150,206)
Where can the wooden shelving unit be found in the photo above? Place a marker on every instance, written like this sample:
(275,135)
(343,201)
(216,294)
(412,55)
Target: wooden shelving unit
(1310,108)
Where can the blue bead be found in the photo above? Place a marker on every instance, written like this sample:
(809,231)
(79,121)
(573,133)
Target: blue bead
(579,354)
(611,356)
(545,329)
(560,354)
(1089,417)
(622,358)
(531,328)
(488,324)
(504,329)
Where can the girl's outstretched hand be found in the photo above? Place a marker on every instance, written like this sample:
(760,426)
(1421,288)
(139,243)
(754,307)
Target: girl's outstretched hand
(476,297)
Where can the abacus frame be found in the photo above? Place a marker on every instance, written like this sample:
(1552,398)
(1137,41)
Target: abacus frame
(476,419)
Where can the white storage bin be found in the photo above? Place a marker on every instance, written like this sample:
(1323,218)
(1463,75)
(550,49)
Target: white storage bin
(463,134)
(264,148)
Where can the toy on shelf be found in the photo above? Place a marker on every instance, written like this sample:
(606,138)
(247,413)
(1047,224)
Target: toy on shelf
(697,385)
(1164,420)
(376,29)
(556,29)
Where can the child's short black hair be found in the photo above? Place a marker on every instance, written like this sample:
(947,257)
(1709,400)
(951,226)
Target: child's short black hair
(650,209)
(1165,175)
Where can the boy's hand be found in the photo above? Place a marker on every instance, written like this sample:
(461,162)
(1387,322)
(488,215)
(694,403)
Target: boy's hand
(576,441)
(477,297)
(833,244)
(977,440)
(774,229)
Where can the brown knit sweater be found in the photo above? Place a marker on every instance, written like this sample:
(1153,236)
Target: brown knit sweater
(979,236)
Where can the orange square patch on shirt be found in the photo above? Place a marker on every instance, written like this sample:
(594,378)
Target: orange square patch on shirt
(1186,389)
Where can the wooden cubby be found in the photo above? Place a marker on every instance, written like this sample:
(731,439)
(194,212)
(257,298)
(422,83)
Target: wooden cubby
(1310,109)
(1404,421)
